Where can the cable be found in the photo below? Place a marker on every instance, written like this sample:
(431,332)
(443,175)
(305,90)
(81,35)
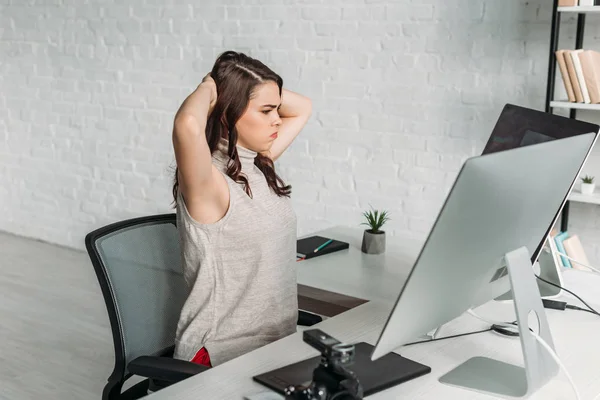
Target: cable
(449,337)
(568,291)
(578,262)
(571,307)
(557,360)
(487,321)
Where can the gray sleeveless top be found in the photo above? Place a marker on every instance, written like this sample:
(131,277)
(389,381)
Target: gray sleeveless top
(240,271)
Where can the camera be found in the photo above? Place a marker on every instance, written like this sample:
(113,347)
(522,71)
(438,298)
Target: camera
(331,379)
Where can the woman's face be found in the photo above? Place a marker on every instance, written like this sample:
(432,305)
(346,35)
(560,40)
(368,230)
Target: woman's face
(259,125)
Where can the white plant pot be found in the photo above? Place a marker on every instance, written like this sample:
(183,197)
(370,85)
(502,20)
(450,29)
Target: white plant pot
(588,188)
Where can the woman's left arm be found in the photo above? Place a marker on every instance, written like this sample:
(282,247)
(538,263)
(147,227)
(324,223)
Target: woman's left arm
(294,113)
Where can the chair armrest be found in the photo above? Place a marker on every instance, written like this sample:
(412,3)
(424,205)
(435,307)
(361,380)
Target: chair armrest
(308,319)
(164,368)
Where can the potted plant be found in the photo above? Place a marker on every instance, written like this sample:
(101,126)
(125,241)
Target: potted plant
(588,186)
(374,238)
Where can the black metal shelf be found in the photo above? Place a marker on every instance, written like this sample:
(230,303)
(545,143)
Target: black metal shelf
(551,82)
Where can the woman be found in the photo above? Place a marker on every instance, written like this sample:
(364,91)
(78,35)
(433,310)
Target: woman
(237,227)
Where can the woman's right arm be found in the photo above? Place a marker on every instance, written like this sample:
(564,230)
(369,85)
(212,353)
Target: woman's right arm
(192,153)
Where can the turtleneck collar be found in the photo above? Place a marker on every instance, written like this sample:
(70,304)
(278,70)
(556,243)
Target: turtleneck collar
(245,155)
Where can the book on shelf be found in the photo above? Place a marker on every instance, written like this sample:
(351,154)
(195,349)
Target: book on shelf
(564,73)
(559,239)
(590,63)
(573,76)
(581,3)
(580,73)
(575,250)
(571,246)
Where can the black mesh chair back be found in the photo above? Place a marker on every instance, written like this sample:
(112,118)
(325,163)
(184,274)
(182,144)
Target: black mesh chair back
(138,266)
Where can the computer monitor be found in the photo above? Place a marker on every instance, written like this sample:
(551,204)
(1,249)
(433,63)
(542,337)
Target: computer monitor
(499,203)
(519,126)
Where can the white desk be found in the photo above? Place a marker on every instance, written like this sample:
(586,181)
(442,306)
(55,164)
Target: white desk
(575,334)
(353,273)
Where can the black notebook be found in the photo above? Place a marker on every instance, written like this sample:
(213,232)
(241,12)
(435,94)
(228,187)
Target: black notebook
(375,376)
(305,248)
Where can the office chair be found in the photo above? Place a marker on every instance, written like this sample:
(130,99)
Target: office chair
(137,262)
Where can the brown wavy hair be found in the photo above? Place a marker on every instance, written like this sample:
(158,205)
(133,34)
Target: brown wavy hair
(236,76)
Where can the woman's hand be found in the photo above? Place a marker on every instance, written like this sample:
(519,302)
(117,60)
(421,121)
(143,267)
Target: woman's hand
(295,111)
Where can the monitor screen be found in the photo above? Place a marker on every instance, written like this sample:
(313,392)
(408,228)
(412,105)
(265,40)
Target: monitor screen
(519,126)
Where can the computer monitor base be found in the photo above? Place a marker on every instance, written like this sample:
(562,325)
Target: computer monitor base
(496,377)
(550,271)
(547,269)
(434,334)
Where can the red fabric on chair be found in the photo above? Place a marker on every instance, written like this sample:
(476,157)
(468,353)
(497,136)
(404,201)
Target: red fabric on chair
(202,357)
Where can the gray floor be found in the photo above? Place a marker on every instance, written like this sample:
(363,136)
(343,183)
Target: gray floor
(55,340)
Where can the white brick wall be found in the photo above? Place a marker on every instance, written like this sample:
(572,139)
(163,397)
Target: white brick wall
(403,92)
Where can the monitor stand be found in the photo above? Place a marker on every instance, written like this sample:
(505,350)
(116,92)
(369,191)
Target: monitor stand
(434,334)
(491,376)
(549,270)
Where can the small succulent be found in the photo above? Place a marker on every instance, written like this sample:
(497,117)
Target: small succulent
(588,179)
(375,219)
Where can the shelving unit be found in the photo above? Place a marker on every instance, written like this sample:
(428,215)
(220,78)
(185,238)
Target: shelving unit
(572,107)
(585,198)
(578,9)
(576,106)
